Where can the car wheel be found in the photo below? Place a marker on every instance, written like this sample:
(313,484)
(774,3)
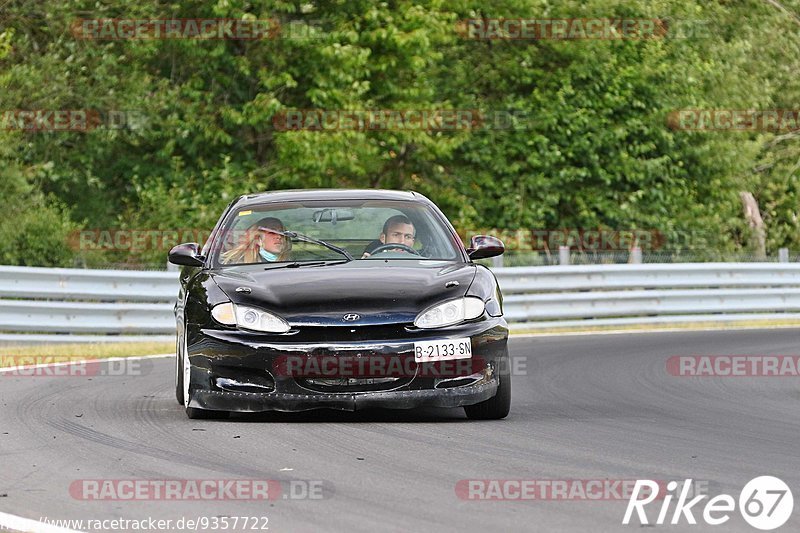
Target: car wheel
(183,389)
(179,370)
(499,405)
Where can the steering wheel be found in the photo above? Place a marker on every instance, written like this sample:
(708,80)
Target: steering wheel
(392,246)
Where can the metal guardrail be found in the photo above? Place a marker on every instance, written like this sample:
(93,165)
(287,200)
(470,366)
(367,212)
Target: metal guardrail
(67,305)
(81,284)
(75,305)
(624,294)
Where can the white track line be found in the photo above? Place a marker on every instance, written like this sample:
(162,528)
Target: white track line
(17,523)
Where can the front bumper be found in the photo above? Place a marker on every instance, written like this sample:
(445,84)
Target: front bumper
(238,371)
(397,399)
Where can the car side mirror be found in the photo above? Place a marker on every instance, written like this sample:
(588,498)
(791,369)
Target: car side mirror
(483,246)
(186,254)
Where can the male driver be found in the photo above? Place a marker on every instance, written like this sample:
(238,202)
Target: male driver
(396,230)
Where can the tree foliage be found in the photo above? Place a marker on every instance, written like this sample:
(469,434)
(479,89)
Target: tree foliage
(590,148)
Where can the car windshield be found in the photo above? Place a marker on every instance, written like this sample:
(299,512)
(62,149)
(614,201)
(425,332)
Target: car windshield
(310,232)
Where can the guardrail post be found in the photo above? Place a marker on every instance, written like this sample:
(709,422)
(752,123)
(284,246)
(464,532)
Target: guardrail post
(783,255)
(636,255)
(497,261)
(563,255)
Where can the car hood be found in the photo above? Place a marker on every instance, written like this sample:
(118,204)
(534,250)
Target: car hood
(386,293)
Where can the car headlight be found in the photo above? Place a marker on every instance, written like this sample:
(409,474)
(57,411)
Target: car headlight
(249,318)
(450,312)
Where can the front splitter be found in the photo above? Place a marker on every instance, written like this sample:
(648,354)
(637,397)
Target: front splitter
(248,402)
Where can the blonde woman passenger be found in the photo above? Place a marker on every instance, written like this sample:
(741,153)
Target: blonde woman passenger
(262,242)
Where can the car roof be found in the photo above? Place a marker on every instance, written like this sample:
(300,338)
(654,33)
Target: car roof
(329,194)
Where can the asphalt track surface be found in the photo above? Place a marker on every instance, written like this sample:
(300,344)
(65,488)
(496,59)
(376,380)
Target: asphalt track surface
(584,407)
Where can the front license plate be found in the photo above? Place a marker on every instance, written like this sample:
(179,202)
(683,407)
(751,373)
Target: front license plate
(426,351)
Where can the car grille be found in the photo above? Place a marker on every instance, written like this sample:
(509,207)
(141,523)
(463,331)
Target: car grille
(352,384)
(352,333)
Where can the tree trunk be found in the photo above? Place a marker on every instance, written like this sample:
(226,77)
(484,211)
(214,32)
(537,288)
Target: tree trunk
(758,235)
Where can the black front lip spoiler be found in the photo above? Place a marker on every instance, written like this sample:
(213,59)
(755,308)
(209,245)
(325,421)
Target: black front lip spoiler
(398,399)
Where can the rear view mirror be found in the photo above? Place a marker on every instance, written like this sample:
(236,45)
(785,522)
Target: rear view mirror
(333,215)
(483,246)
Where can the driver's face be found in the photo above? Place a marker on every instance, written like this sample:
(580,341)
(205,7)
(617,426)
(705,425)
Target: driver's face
(399,234)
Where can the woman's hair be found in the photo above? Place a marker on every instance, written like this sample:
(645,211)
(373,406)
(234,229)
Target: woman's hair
(246,251)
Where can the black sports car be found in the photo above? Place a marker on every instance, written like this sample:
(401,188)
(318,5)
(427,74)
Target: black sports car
(342,299)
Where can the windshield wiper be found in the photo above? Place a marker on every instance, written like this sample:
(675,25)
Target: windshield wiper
(306,238)
(298,264)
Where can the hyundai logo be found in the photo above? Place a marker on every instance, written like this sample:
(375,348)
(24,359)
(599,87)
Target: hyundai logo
(351,317)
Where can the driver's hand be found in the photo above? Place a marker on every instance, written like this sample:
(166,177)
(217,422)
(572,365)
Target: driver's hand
(365,255)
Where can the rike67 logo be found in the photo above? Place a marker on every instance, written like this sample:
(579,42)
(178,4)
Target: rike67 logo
(766,503)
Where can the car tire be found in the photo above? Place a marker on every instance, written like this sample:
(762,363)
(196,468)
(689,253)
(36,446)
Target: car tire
(179,370)
(499,405)
(183,394)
